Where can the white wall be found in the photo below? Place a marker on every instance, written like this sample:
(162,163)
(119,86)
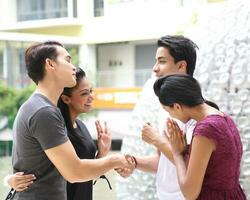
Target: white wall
(87,60)
(8,11)
(123,54)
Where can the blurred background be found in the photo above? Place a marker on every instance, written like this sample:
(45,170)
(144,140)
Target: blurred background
(114,41)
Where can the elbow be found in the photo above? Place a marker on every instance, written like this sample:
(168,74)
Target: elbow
(190,194)
(72,175)
(71,178)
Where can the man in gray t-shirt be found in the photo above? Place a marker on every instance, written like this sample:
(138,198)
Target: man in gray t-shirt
(41,146)
(40,126)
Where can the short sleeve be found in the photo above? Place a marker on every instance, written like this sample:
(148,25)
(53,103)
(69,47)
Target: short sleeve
(207,130)
(48,127)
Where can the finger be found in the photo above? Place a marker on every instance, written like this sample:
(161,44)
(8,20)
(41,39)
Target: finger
(130,159)
(98,128)
(20,189)
(23,185)
(105,128)
(27,176)
(98,125)
(166,135)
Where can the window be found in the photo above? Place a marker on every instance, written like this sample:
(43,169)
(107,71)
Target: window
(98,8)
(43,9)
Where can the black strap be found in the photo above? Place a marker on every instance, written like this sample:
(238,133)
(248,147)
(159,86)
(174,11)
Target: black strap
(11,194)
(104,177)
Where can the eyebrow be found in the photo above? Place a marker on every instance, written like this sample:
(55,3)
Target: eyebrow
(158,58)
(85,90)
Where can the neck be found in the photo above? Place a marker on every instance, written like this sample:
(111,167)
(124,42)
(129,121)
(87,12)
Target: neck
(199,112)
(49,90)
(73,117)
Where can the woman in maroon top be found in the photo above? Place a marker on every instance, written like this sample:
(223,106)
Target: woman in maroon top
(212,169)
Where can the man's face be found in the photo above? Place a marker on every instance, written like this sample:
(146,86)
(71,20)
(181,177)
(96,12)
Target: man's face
(66,74)
(165,63)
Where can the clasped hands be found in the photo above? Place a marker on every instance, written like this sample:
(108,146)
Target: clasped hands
(173,136)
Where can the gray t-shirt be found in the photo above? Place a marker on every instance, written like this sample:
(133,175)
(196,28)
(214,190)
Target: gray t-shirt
(39,125)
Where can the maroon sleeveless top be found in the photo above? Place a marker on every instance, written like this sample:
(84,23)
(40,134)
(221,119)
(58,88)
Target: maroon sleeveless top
(221,181)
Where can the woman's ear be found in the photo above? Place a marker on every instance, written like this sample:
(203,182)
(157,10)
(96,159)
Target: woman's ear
(177,106)
(65,99)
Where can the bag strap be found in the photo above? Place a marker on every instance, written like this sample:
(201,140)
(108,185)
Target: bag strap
(11,194)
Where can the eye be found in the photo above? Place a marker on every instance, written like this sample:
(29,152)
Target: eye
(162,61)
(84,93)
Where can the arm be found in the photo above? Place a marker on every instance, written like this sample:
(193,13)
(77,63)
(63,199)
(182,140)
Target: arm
(74,169)
(148,163)
(190,178)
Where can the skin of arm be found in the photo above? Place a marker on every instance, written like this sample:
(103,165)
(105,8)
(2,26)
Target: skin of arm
(148,163)
(74,169)
(190,177)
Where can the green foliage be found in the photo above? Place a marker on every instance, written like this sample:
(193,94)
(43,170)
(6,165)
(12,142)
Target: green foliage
(11,99)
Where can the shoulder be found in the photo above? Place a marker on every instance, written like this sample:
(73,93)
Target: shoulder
(210,127)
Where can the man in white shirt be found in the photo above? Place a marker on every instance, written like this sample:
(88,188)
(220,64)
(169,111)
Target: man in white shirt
(175,54)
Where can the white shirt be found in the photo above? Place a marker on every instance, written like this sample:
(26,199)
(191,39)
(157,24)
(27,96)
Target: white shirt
(167,185)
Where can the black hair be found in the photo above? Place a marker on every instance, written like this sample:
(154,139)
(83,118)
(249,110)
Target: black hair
(180,48)
(35,57)
(80,74)
(212,104)
(178,88)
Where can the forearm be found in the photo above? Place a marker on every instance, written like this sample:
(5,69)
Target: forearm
(89,169)
(148,163)
(182,175)
(74,169)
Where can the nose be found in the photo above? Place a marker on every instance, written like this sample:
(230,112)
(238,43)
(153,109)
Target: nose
(155,68)
(91,96)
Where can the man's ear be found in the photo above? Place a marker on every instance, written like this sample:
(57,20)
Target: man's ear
(49,63)
(65,99)
(182,66)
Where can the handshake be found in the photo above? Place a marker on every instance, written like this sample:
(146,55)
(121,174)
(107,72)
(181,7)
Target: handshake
(125,164)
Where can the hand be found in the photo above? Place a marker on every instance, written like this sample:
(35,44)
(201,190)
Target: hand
(104,139)
(120,161)
(176,137)
(126,172)
(19,181)
(150,134)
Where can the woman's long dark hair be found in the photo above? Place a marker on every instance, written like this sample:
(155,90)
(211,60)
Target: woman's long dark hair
(178,88)
(80,74)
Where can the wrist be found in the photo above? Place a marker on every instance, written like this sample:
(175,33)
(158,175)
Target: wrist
(114,160)
(158,143)
(177,155)
(101,154)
